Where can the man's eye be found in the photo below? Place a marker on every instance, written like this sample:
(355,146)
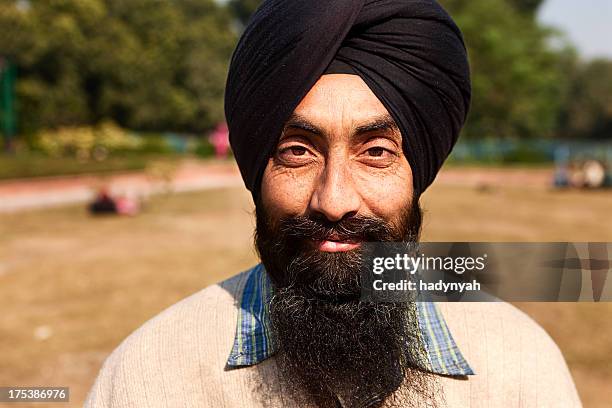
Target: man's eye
(376,151)
(297,150)
(294,154)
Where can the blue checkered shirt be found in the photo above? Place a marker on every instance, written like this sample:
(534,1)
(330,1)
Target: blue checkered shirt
(254,343)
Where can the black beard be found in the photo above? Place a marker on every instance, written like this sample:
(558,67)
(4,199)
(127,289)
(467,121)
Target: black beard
(334,349)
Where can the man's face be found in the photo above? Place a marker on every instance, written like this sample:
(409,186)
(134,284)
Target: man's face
(340,155)
(338,178)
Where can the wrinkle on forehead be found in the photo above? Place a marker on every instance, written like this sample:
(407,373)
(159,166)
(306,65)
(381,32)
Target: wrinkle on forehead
(339,103)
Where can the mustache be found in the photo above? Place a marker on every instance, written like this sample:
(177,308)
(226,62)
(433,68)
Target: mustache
(351,229)
(287,246)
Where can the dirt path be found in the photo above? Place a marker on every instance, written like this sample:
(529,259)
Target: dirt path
(189,175)
(193,175)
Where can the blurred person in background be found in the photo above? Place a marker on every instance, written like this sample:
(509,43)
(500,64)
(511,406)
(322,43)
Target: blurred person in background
(340,116)
(219,138)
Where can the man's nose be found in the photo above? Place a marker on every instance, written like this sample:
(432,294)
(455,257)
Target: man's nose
(335,196)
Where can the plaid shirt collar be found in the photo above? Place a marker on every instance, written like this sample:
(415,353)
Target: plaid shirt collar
(253,342)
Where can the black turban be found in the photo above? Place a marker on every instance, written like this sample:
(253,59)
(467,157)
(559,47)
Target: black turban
(410,53)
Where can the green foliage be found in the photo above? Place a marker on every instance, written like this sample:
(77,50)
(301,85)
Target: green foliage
(147,64)
(526,6)
(204,148)
(588,113)
(519,84)
(155,143)
(86,142)
(243,9)
(525,154)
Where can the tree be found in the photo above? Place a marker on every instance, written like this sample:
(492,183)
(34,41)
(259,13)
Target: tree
(529,7)
(588,113)
(519,81)
(147,64)
(243,9)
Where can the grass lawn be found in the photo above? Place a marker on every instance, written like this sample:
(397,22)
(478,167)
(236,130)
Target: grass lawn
(72,286)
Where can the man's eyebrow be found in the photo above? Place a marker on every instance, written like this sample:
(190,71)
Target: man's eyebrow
(297,121)
(383,122)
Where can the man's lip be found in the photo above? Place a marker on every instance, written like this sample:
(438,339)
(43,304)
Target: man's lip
(336,246)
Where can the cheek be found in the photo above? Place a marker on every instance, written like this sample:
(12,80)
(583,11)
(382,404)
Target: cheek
(386,193)
(286,191)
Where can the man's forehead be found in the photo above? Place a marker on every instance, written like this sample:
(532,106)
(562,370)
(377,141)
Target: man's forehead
(340,102)
(340,94)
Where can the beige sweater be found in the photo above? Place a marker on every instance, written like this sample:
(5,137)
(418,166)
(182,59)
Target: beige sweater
(177,359)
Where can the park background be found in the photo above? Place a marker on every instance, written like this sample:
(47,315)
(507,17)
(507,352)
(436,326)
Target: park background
(126,96)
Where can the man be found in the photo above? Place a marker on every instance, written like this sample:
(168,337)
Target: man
(340,115)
